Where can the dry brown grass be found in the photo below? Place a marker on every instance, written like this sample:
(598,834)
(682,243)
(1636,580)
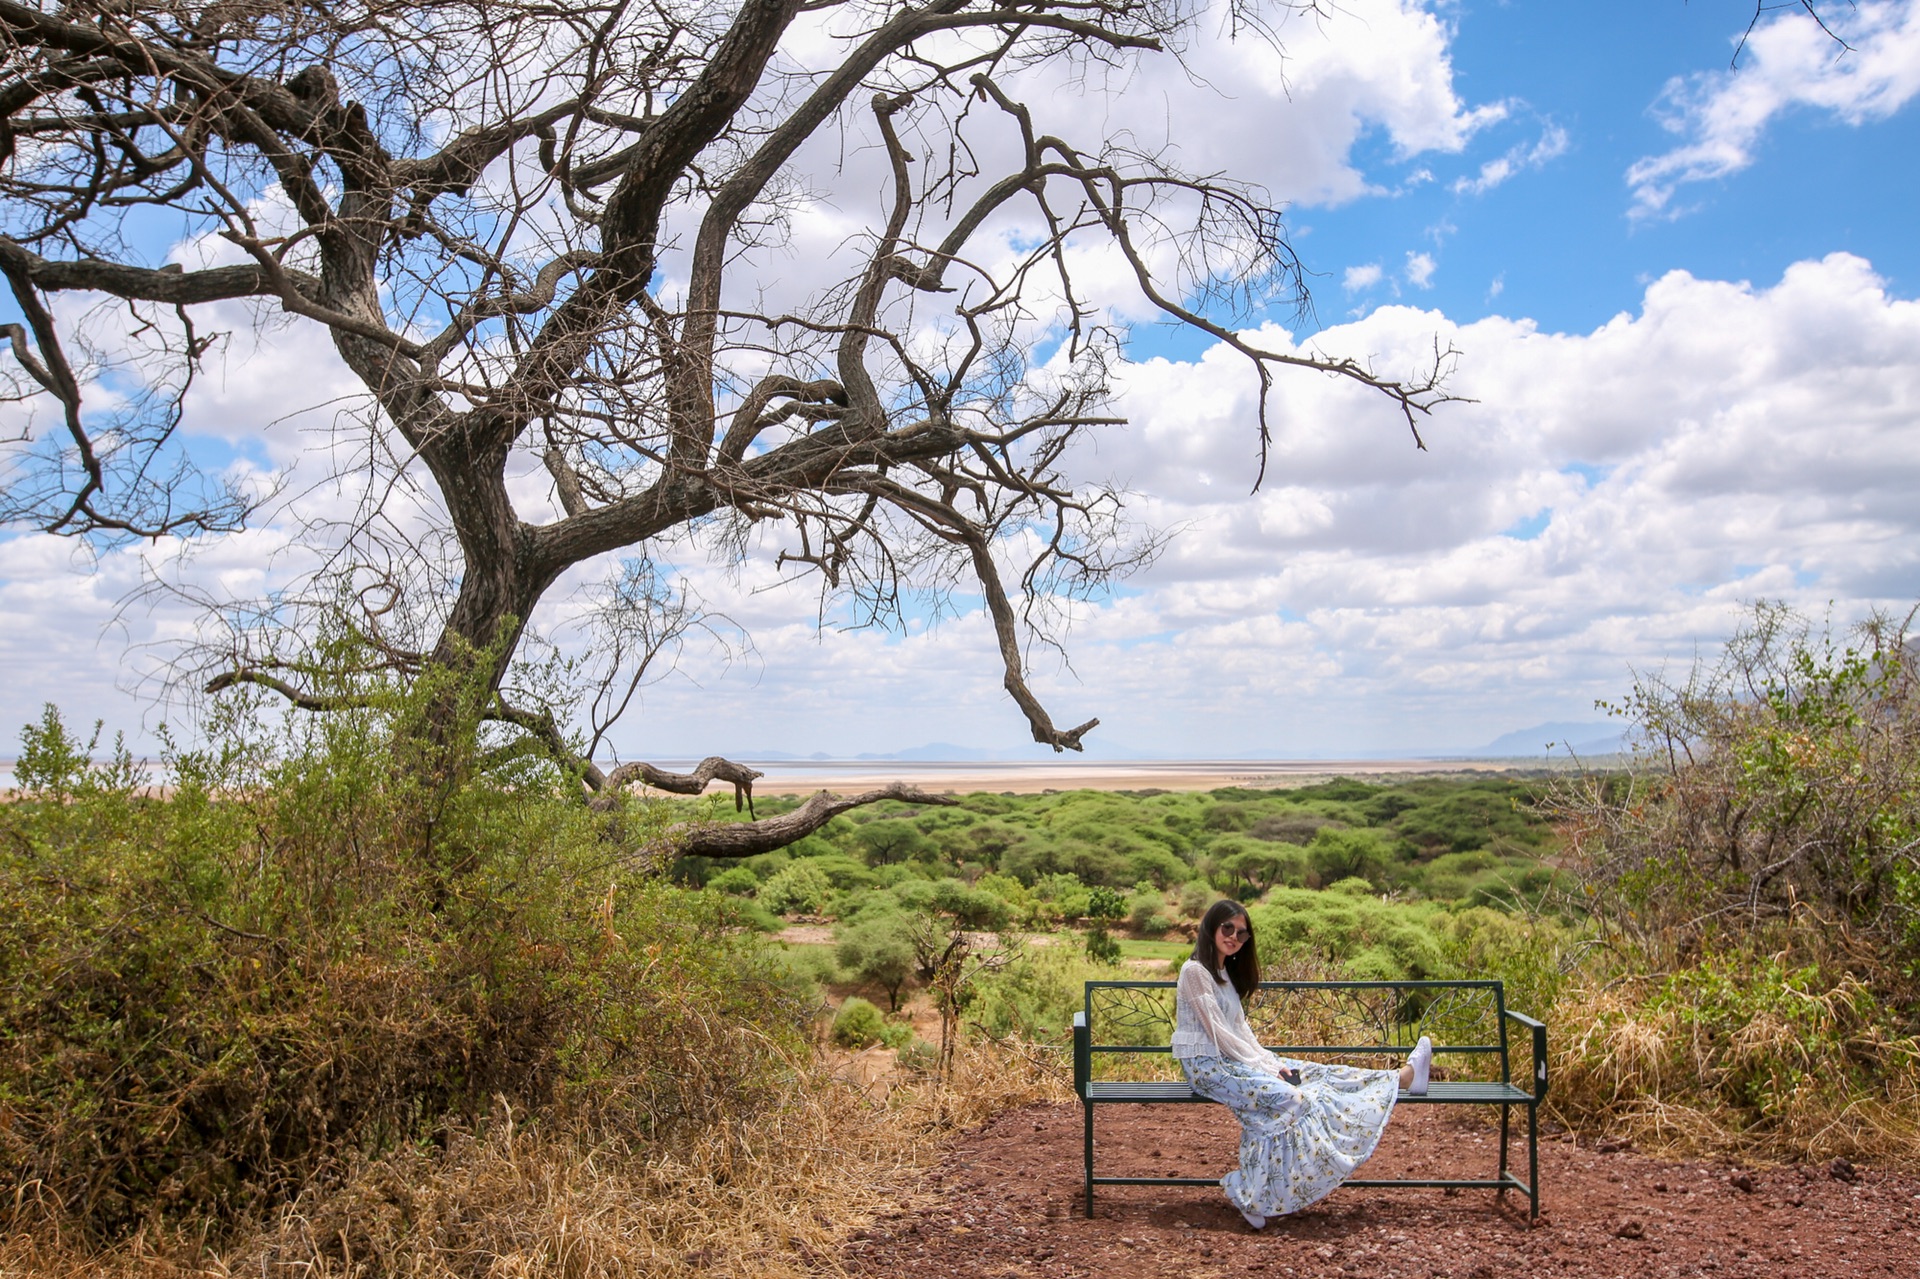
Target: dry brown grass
(520,1201)
(1768,1089)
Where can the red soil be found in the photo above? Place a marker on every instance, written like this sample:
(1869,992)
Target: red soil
(1005,1200)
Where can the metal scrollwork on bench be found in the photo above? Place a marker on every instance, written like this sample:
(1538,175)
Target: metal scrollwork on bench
(1133,1015)
(1382,1017)
(1388,1019)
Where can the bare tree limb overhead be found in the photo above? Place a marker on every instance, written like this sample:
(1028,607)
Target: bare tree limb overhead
(527,232)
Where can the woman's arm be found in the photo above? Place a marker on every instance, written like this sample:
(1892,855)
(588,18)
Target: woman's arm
(1232,1035)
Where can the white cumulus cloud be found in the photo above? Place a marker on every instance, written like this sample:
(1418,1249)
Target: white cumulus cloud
(1725,442)
(1358,278)
(1789,62)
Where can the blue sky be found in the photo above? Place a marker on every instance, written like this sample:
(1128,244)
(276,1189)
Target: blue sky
(1683,297)
(1560,239)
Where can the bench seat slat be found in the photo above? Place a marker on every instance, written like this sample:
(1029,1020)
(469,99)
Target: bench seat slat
(1466,1092)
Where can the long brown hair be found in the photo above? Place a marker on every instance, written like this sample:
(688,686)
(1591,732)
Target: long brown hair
(1243,966)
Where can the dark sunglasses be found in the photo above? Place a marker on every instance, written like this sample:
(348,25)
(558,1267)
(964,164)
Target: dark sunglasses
(1235,930)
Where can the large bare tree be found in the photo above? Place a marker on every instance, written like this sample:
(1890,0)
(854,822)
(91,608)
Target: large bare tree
(534,234)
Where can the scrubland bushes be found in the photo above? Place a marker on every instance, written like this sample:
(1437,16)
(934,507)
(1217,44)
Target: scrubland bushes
(1726,937)
(1463,841)
(222,999)
(1755,886)
(1779,796)
(298,1005)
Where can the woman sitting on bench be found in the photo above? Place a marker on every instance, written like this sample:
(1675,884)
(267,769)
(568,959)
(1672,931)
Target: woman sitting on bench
(1304,1125)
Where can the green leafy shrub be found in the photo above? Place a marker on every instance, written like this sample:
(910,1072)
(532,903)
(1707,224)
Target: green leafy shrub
(892,876)
(1352,932)
(1015,894)
(1034,998)
(1452,876)
(1229,817)
(1065,897)
(1145,902)
(1775,807)
(735,881)
(1335,855)
(1156,864)
(1288,828)
(1534,955)
(1249,868)
(887,841)
(968,907)
(1195,897)
(1102,946)
(767,865)
(858,1024)
(844,873)
(800,888)
(811,967)
(302,954)
(1156,924)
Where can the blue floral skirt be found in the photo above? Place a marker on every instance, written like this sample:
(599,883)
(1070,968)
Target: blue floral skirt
(1296,1144)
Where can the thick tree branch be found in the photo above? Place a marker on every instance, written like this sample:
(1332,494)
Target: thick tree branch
(173,286)
(749,839)
(709,770)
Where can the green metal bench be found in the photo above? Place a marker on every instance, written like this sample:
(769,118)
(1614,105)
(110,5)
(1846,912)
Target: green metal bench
(1123,1034)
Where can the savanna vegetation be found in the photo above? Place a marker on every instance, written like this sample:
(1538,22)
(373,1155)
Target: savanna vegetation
(284,1006)
(1752,890)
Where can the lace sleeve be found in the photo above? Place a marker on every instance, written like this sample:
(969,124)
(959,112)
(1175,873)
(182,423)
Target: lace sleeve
(1231,1035)
(1195,993)
(1236,1040)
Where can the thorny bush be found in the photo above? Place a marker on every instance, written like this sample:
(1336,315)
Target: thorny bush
(1754,883)
(1776,803)
(220,993)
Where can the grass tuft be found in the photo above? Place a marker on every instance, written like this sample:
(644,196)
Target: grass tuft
(775,1197)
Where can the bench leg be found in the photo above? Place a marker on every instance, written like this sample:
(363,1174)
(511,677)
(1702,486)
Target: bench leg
(1088,1107)
(1533,1157)
(1506,1112)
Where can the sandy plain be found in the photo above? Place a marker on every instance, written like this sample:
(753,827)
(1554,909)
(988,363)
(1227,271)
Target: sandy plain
(800,777)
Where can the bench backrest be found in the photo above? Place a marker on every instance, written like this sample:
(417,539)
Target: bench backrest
(1364,1023)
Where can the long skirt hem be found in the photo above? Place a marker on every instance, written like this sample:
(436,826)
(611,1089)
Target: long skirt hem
(1296,1145)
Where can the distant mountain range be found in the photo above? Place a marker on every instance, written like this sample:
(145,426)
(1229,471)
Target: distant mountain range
(948,753)
(1557,739)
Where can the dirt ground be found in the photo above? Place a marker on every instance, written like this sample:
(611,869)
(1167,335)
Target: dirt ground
(1005,1201)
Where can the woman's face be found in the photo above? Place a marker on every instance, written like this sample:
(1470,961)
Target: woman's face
(1231,935)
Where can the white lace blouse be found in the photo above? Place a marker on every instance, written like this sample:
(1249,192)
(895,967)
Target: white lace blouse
(1209,1021)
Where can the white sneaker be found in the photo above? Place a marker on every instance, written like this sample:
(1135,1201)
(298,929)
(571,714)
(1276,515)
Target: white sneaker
(1421,1059)
(1254,1219)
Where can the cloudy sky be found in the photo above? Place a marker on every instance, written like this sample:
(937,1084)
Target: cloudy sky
(1682,289)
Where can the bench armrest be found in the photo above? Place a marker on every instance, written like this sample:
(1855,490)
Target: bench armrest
(1082,1053)
(1539,1030)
